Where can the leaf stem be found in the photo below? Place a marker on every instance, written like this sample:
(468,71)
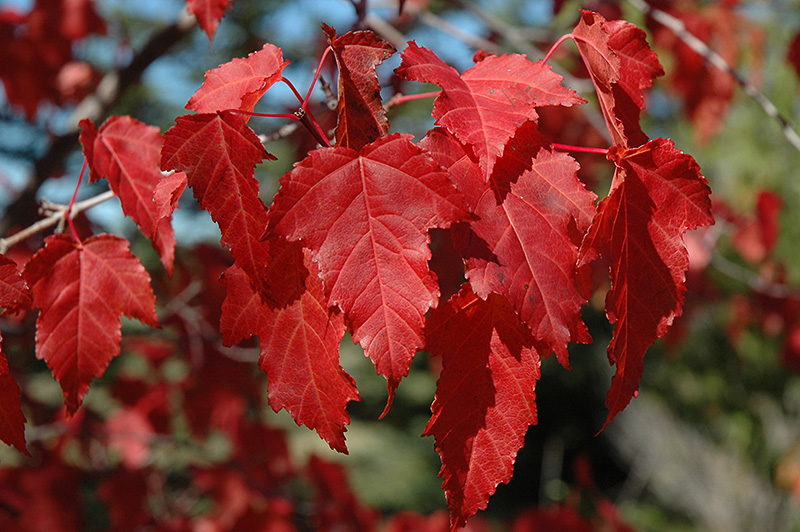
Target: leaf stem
(67,213)
(556,45)
(399,98)
(291,86)
(583,149)
(316,77)
(305,117)
(55,214)
(264,115)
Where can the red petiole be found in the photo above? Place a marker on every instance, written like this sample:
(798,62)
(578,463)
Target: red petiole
(556,45)
(68,212)
(582,149)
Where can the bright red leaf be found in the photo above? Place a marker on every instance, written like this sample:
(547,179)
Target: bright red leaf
(621,65)
(167,193)
(657,194)
(639,66)
(12,420)
(362,117)
(526,247)
(208,13)
(485,398)
(14,295)
(365,216)
(126,152)
(218,152)
(240,83)
(299,348)
(81,291)
(459,162)
(484,106)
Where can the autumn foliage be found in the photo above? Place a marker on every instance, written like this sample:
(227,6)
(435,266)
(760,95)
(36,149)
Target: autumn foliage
(344,247)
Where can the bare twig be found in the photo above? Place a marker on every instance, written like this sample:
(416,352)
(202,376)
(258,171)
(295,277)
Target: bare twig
(754,281)
(55,214)
(437,22)
(679,29)
(385,30)
(111,87)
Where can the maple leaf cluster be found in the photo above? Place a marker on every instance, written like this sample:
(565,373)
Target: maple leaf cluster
(345,245)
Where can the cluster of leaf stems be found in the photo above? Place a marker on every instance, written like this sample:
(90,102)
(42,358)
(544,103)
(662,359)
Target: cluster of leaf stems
(304,116)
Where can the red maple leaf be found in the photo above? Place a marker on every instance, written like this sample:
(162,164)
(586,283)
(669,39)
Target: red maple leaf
(14,295)
(218,152)
(621,65)
(365,216)
(81,291)
(459,161)
(484,106)
(362,117)
(485,399)
(126,152)
(240,83)
(167,193)
(532,239)
(657,194)
(12,420)
(208,13)
(299,347)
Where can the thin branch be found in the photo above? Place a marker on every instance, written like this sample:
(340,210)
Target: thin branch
(752,279)
(385,30)
(679,29)
(95,106)
(330,99)
(280,133)
(437,22)
(55,214)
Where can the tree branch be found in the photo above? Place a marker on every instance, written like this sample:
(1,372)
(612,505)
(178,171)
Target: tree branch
(111,87)
(679,29)
(55,214)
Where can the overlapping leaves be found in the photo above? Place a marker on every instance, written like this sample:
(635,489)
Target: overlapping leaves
(370,238)
(657,194)
(127,152)
(345,244)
